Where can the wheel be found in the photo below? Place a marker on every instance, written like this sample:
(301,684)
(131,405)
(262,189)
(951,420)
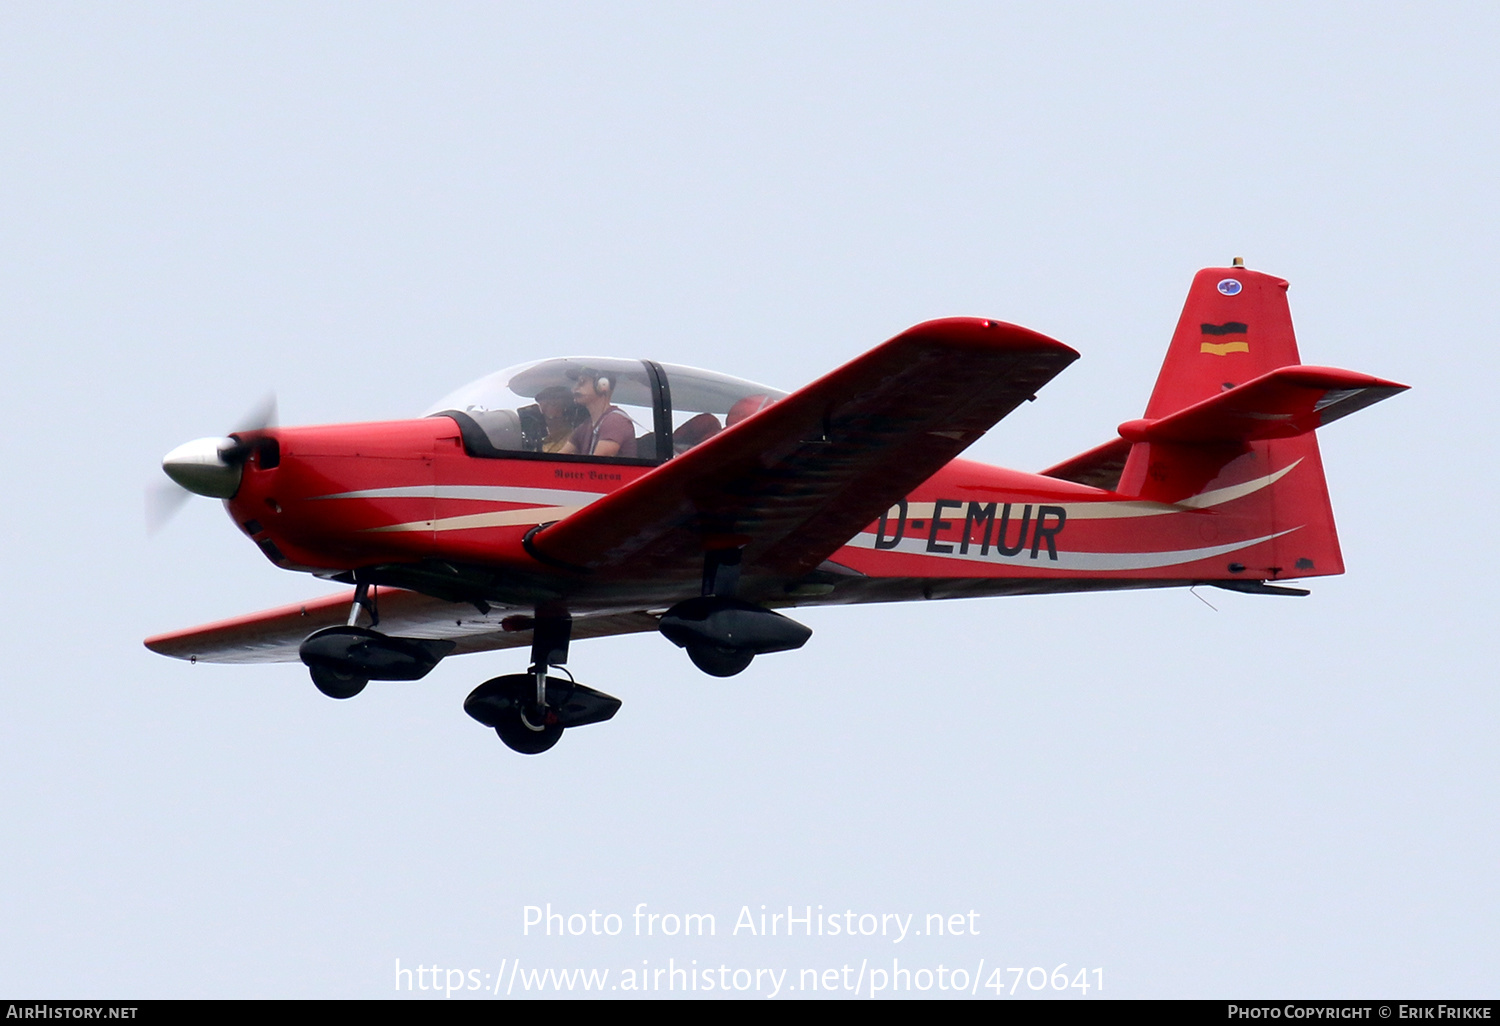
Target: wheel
(520,735)
(719,660)
(335,684)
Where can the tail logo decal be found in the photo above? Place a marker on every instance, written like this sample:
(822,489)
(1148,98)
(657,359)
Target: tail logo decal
(1230,287)
(1229,328)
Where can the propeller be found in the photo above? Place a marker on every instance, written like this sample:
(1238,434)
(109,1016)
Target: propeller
(206,466)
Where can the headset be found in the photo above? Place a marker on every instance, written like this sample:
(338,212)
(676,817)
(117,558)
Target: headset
(601,382)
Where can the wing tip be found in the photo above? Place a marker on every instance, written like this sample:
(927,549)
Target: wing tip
(986,333)
(171,644)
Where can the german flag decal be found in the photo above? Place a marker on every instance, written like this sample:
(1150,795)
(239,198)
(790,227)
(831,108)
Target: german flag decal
(1228,332)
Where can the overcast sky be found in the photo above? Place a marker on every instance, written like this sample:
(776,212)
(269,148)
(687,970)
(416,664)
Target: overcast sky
(363,206)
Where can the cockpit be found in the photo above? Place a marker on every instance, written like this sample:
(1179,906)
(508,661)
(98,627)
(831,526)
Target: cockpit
(597,408)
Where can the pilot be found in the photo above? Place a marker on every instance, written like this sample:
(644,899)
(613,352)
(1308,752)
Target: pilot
(609,431)
(560,414)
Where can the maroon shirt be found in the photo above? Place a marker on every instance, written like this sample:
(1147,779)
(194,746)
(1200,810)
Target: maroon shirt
(614,426)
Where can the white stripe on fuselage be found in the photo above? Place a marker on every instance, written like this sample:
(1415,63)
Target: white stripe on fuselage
(1068,561)
(1119,509)
(479,493)
(552,504)
(530,516)
(545,505)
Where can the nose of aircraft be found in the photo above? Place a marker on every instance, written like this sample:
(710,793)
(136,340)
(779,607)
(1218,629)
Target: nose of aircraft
(200,466)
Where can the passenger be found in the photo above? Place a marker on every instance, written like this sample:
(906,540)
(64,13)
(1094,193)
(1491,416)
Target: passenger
(695,431)
(745,407)
(609,431)
(560,414)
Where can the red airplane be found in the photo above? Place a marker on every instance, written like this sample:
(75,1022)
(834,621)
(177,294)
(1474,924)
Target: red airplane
(580,498)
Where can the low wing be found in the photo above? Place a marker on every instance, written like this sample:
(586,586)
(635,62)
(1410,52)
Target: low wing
(273,636)
(800,478)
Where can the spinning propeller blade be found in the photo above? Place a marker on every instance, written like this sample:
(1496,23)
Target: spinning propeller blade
(207,466)
(163,500)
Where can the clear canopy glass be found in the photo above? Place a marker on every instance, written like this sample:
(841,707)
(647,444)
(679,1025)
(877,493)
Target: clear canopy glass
(600,408)
(705,403)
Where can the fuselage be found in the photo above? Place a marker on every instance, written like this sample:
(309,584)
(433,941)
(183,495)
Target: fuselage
(408,504)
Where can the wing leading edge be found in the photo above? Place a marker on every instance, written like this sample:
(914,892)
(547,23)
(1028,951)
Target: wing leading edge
(274,635)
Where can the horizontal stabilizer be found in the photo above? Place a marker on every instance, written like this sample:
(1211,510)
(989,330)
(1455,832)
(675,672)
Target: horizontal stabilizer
(1100,467)
(1283,403)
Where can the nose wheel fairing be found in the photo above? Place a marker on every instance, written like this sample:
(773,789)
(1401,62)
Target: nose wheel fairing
(513,696)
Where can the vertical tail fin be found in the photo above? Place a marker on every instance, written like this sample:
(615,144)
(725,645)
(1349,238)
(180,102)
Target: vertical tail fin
(1235,326)
(1227,431)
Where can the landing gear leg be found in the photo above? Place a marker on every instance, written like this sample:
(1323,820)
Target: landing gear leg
(532,727)
(364,598)
(721,572)
(341,683)
(549,647)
